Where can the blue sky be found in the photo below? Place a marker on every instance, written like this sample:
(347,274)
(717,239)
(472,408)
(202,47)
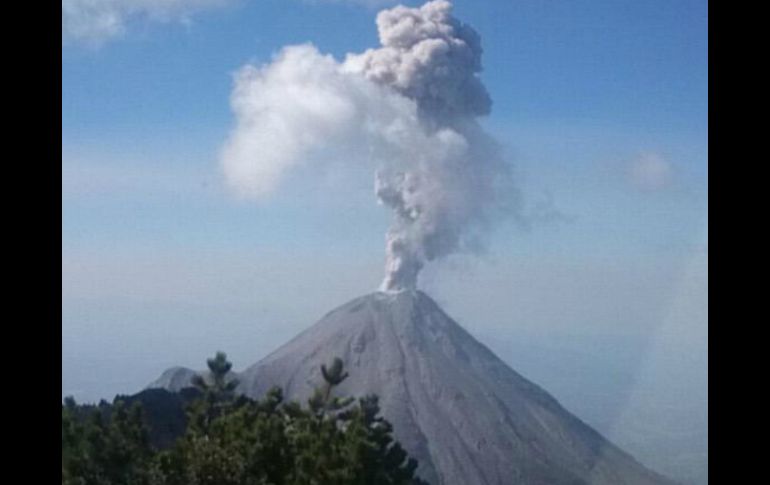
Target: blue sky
(579,89)
(600,105)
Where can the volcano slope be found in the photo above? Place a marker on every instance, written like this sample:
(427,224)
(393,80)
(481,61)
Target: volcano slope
(462,412)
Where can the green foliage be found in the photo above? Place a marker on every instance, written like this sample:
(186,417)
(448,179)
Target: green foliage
(233,440)
(105,450)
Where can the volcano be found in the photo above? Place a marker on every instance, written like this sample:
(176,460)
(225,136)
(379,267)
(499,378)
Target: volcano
(456,407)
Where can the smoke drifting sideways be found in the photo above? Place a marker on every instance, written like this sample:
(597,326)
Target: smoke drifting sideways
(409,108)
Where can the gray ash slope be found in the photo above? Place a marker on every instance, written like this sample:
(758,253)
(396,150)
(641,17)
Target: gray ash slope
(461,411)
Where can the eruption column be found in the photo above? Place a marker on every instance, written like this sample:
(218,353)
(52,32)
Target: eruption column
(412,104)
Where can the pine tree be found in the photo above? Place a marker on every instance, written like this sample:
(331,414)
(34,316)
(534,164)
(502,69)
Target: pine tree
(348,446)
(218,392)
(379,458)
(321,402)
(219,384)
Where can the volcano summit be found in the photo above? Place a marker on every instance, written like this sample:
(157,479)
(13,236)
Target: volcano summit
(456,407)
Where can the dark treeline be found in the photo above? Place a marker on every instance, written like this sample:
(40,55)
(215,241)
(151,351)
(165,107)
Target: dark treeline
(209,435)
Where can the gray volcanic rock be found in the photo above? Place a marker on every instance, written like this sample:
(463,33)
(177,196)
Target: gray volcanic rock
(462,412)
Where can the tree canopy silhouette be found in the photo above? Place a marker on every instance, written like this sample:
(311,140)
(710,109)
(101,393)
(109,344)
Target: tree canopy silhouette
(234,440)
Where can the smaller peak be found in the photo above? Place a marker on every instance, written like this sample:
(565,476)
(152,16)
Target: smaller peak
(173,379)
(176,369)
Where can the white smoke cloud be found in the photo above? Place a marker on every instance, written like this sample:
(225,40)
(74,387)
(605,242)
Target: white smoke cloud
(96,21)
(409,108)
(302,104)
(430,57)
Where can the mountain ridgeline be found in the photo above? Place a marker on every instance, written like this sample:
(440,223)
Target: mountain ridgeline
(466,416)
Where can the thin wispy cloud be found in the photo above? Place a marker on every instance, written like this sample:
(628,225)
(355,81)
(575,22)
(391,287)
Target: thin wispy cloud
(651,172)
(94,22)
(365,3)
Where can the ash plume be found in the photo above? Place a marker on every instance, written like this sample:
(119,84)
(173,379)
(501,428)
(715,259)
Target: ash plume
(408,107)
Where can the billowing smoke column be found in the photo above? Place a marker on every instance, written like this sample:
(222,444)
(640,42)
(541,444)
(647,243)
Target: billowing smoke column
(409,107)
